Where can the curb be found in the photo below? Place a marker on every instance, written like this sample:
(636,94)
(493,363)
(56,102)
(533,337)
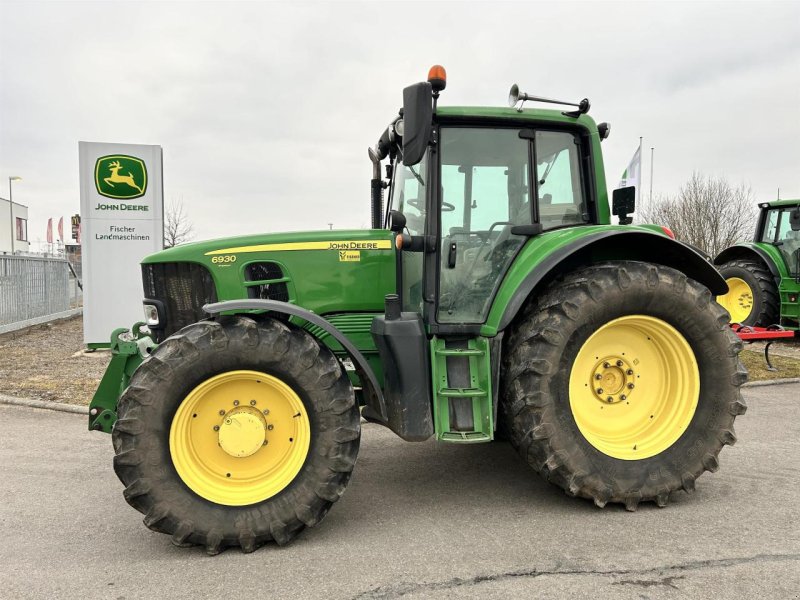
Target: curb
(31,403)
(771,382)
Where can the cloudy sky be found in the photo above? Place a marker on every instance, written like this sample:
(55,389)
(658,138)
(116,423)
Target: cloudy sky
(265,110)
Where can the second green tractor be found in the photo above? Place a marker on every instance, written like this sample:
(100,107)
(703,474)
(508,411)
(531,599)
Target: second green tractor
(763,276)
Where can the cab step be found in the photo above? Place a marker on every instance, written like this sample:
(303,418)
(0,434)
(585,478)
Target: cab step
(462,390)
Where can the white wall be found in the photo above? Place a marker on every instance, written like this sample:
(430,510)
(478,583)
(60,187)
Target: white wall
(5,227)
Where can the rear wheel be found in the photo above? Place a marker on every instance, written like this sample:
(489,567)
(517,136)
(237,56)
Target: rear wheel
(752,297)
(621,383)
(236,432)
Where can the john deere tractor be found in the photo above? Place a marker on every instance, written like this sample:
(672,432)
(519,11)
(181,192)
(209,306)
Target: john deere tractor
(763,276)
(492,296)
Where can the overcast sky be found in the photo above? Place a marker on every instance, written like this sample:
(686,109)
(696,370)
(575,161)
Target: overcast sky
(265,110)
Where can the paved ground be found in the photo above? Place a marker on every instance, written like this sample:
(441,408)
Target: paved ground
(418,521)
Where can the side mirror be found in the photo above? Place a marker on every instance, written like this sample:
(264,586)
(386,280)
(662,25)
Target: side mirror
(794,219)
(397,221)
(624,203)
(417,121)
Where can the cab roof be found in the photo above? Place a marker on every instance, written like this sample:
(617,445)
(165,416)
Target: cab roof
(779,203)
(445,113)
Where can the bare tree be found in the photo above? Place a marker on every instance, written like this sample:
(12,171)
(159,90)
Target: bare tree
(177,227)
(707,212)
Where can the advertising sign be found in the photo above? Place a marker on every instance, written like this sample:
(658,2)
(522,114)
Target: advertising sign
(121,222)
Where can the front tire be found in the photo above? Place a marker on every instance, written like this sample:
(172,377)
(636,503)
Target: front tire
(236,432)
(621,383)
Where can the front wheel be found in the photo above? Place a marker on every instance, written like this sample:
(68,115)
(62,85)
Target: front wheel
(236,432)
(621,383)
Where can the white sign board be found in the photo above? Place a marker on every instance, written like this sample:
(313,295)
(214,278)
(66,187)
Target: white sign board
(122,221)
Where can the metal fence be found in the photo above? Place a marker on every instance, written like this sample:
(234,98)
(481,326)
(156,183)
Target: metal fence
(33,289)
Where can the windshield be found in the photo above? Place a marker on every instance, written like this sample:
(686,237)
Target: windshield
(778,232)
(408,193)
(408,196)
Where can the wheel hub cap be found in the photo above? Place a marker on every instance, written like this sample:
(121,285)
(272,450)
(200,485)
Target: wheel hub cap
(243,432)
(612,380)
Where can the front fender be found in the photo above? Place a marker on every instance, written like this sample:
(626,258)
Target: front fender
(374,400)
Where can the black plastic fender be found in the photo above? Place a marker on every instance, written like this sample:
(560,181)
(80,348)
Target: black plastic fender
(297,311)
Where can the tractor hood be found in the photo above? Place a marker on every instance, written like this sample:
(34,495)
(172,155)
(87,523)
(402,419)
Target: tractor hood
(323,271)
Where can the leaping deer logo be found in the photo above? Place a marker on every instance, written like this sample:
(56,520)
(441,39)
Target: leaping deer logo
(115,177)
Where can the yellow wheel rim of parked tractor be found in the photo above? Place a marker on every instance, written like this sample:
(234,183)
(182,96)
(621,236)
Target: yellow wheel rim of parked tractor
(738,301)
(634,387)
(240,437)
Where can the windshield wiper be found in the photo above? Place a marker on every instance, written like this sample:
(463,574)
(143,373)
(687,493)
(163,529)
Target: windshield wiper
(547,170)
(422,183)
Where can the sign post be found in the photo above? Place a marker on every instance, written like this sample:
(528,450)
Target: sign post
(121,222)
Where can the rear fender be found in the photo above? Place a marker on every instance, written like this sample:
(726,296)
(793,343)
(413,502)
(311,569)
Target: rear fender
(616,244)
(752,252)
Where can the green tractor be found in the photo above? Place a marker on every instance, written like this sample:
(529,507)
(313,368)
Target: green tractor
(763,276)
(491,296)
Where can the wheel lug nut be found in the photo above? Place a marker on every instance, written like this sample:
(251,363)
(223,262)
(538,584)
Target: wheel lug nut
(216,427)
(609,399)
(270,427)
(265,443)
(252,402)
(222,412)
(606,365)
(598,376)
(619,363)
(629,371)
(630,386)
(599,390)
(623,397)
(236,403)
(266,411)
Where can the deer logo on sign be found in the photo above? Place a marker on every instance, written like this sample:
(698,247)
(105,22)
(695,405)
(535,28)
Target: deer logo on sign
(120,176)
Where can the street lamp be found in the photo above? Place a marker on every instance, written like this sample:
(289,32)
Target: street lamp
(11,209)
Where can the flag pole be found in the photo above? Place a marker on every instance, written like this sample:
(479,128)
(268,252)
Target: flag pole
(652,152)
(640,167)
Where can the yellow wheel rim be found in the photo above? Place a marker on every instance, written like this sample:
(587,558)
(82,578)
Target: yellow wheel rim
(634,387)
(240,437)
(738,301)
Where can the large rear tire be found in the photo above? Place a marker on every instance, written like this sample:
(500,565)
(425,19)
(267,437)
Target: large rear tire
(752,297)
(621,383)
(236,432)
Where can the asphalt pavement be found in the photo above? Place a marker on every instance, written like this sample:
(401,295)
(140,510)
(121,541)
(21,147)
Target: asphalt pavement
(417,521)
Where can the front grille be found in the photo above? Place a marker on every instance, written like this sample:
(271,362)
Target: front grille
(183,288)
(260,271)
(264,271)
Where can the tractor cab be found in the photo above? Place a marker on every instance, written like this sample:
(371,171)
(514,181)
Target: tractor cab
(779,226)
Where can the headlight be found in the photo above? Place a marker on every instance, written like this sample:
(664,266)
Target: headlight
(151,315)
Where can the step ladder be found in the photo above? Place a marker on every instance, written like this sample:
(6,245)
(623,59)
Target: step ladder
(462,390)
